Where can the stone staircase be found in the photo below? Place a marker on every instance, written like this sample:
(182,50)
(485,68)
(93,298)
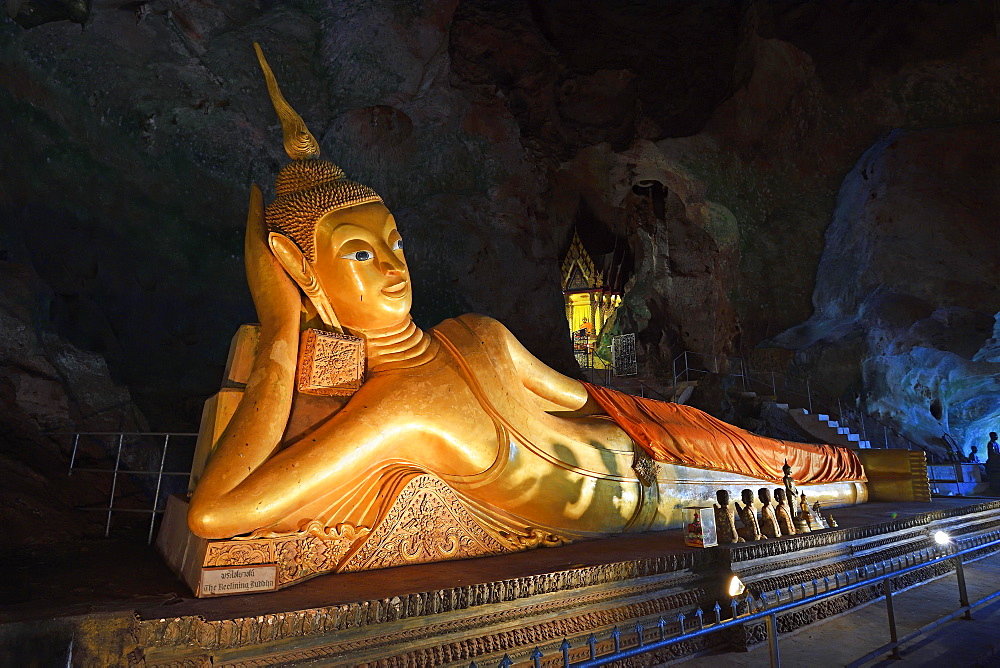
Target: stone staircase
(825,429)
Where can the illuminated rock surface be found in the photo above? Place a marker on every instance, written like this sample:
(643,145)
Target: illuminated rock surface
(710,140)
(907,290)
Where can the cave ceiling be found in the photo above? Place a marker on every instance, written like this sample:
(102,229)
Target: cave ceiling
(711,139)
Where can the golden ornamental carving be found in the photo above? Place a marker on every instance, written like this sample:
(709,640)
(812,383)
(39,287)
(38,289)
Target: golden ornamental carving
(644,467)
(428,522)
(330,363)
(578,269)
(229,553)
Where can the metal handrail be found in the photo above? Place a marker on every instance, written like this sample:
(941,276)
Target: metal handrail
(746,375)
(160,472)
(764,608)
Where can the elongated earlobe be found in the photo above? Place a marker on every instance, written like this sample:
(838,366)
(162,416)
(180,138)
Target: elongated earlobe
(297,266)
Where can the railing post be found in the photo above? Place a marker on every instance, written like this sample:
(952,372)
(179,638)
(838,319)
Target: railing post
(687,368)
(893,637)
(809,396)
(963,593)
(885,435)
(114,483)
(72,459)
(156,494)
(774,386)
(771,627)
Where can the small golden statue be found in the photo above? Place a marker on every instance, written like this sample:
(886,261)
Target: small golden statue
(768,520)
(725,519)
(454,442)
(804,522)
(791,493)
(782,513)
(750,529)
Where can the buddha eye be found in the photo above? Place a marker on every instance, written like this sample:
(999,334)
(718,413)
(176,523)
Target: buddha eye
(360,256)
(397,245)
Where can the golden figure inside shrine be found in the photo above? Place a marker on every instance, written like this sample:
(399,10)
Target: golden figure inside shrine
(457,441)
(590,304)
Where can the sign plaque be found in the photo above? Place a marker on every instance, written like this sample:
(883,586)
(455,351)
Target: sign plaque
(238,579)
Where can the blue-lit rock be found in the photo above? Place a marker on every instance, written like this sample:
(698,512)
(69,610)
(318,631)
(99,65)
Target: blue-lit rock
(907,287)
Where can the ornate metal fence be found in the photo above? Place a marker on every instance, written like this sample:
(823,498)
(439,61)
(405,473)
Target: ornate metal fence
(624,362)
(642,639)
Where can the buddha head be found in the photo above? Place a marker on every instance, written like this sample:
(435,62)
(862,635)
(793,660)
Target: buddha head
(764,494)
(779,495)
(334,237)
(723,496)
(747,496)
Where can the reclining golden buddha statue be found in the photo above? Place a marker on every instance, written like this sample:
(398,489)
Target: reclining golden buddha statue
(456,441)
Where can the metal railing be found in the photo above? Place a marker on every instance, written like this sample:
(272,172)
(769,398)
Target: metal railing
(941,485)
(144,465)
(768,605)
(790,389)
(628,384)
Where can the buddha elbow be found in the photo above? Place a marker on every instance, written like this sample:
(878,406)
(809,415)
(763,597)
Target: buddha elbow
(207,522)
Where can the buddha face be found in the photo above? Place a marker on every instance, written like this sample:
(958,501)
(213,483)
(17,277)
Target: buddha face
(360,267)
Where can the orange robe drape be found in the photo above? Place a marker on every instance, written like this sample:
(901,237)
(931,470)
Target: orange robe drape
(678,434)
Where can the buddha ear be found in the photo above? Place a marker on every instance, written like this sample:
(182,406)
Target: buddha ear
(294,262)
(290,257)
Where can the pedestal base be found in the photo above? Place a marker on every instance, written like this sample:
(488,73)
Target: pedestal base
(479,610)
(427,522)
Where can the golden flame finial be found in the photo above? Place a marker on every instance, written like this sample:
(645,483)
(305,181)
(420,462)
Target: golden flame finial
(299,142)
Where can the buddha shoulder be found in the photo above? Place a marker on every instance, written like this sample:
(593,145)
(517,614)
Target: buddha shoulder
(473,328)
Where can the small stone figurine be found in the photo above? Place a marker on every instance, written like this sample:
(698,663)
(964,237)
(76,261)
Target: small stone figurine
(832,522)
(781,512)
(768,521)
(750,529)
(725,519)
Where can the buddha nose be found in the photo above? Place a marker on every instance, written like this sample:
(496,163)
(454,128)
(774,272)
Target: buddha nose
(392,264)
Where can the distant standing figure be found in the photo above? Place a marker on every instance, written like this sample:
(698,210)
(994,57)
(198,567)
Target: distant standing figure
(973,455)
(992,447)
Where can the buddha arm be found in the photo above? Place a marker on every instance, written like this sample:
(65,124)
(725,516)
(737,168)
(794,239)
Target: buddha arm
(254,432)
(554,391)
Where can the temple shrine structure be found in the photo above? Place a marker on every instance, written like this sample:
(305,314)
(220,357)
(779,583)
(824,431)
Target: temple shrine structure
(590,304)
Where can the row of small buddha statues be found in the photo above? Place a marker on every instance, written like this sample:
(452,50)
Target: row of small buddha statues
(772,521)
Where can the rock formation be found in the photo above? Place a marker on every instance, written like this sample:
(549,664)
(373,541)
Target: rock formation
(704,143)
